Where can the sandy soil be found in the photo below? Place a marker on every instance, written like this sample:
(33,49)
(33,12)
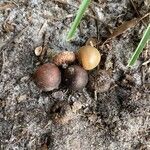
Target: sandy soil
(118,119)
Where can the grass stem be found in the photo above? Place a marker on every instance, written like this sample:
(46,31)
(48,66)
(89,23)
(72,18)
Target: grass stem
(80,13)
(141,45)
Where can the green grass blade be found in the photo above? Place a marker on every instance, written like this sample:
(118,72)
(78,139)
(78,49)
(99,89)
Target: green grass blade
(139,49)
(80,13)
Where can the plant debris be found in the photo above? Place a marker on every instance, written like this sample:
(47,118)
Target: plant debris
(125,26)
(5,6)
(38,50)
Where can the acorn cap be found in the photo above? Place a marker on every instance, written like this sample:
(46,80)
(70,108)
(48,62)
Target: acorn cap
(65,57)
(99,80)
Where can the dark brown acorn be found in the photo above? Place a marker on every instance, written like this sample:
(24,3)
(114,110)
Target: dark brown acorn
(47,77)
(75,77)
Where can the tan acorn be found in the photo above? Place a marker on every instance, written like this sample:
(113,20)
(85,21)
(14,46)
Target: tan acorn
(89,57)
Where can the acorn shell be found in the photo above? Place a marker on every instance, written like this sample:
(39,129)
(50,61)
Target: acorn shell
(89,57)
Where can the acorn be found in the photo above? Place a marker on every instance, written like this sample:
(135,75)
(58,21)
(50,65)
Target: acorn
(100,81)
(64,57)
(75,77)
(47,77)
(89,57)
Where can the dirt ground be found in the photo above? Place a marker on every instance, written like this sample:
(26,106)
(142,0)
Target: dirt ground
(118,119)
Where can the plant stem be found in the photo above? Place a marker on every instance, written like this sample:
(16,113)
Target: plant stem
(81,11)
(139,49)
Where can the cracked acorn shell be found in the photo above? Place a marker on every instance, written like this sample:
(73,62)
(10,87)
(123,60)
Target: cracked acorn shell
(47,77)
(89,57)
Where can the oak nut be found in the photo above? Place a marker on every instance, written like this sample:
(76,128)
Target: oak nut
(89,57)
(75,77)
(64,57)
(47,77)
(100,81)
